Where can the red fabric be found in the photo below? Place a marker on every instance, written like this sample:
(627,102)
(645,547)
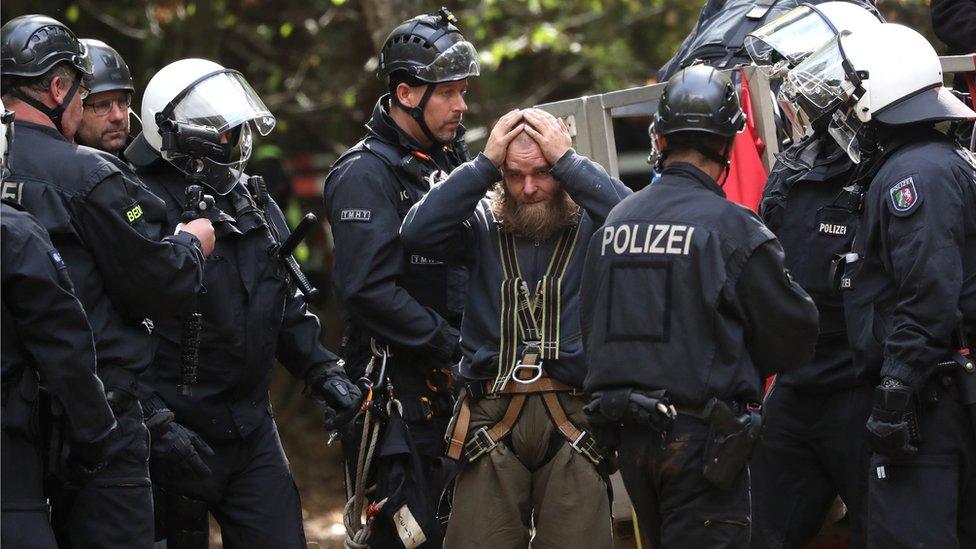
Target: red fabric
(747,176)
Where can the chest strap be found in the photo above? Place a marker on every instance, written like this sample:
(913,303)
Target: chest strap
(524,319)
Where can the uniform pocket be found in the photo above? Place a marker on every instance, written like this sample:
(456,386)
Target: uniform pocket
(925,488)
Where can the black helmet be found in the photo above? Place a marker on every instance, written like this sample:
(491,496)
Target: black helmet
(429,48)
(110,71)
(699,99)
(31,45)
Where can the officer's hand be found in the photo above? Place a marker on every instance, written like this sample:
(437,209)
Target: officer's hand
(653,410)
(549,132)
(203,230)
(505,130)
(338,397)
(177,453)
(83,460)
(888,430)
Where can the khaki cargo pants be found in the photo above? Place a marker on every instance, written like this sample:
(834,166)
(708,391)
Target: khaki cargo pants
(503,496)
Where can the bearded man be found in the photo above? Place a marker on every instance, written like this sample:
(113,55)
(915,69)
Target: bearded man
(528,459)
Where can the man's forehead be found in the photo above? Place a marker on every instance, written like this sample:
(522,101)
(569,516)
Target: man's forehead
(104,95)
(525,156)
(454,84)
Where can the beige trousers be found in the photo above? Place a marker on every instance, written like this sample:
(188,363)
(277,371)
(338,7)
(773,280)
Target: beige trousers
(501,498)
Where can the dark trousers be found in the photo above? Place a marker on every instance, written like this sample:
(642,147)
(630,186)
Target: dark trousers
(927,500)
(251,492)
(675,505)
(23,508)
(813,448)
(114,509)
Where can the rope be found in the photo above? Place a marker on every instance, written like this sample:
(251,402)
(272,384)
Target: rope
(358,532)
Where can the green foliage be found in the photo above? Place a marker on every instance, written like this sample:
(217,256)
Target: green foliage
(313,62)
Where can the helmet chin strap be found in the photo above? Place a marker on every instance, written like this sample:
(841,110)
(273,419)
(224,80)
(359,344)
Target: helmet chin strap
(417,113)
(56,113)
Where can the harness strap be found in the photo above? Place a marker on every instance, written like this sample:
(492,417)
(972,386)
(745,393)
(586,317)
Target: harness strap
(581,440)
(522,319)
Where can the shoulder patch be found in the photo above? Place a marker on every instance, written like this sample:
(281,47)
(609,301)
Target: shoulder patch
(903,197)
(12,190)
(356,215)
(132,213)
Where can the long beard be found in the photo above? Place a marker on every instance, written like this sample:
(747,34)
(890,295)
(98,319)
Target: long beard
(536,222)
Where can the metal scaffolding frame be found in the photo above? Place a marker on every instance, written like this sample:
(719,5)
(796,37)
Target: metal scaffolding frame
(591,117)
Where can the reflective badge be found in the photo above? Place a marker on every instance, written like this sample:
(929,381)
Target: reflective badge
(12,190)
(410,532)
(133,213)
(904,197)
(421,260)
(358,216)
(56,259)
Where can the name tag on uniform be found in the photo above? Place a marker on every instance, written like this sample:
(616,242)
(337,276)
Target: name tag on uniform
(358,216)
(647,239)
(421,260)
(12,190)
(832,229)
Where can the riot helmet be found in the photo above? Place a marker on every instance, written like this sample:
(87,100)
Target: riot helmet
(791,37)
(697,100)
(886,74)
(428,49)
(32,45)
(199,116)
(109,70)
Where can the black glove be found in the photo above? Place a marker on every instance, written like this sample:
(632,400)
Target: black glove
(651,408)
(888,430)
(83,460)
(338,397)
(176,450)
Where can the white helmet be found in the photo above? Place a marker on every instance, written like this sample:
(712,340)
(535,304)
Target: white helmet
(887,73)
(797,33)
(200,95)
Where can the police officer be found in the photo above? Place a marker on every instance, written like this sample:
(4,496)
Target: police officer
(529,459)
(215,443)
(813,440)
(108,229)
(910,303)
(105,122)
(686,307)
(46,339)
(404,308)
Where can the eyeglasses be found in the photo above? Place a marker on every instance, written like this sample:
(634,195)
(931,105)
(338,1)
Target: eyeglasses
(83,91)
(101,108)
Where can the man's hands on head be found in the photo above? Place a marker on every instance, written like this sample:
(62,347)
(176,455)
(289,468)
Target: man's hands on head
(549,132)
(505,130)
(203,230)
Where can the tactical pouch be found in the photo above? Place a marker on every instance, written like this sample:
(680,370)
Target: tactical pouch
(730,443)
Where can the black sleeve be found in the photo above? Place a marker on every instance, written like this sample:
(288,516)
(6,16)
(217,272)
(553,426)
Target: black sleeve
(589,185)
(299,346)
(443,224)
(781,319)
(954,22)
(53,327)
(369,259)
(146,273)
(923,247)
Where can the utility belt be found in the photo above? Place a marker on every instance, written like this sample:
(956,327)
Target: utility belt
(520,387)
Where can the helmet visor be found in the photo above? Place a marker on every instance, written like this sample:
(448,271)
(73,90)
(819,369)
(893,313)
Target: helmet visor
(846,131)
(458,62)
(800,123)
(792,36)
(222,101)
(821,79)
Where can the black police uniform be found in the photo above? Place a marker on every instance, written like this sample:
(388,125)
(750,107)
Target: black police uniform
(108,228)
(813,439)
(404,301)
(686,292)
(912,287)
(45,334)
(252,316)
